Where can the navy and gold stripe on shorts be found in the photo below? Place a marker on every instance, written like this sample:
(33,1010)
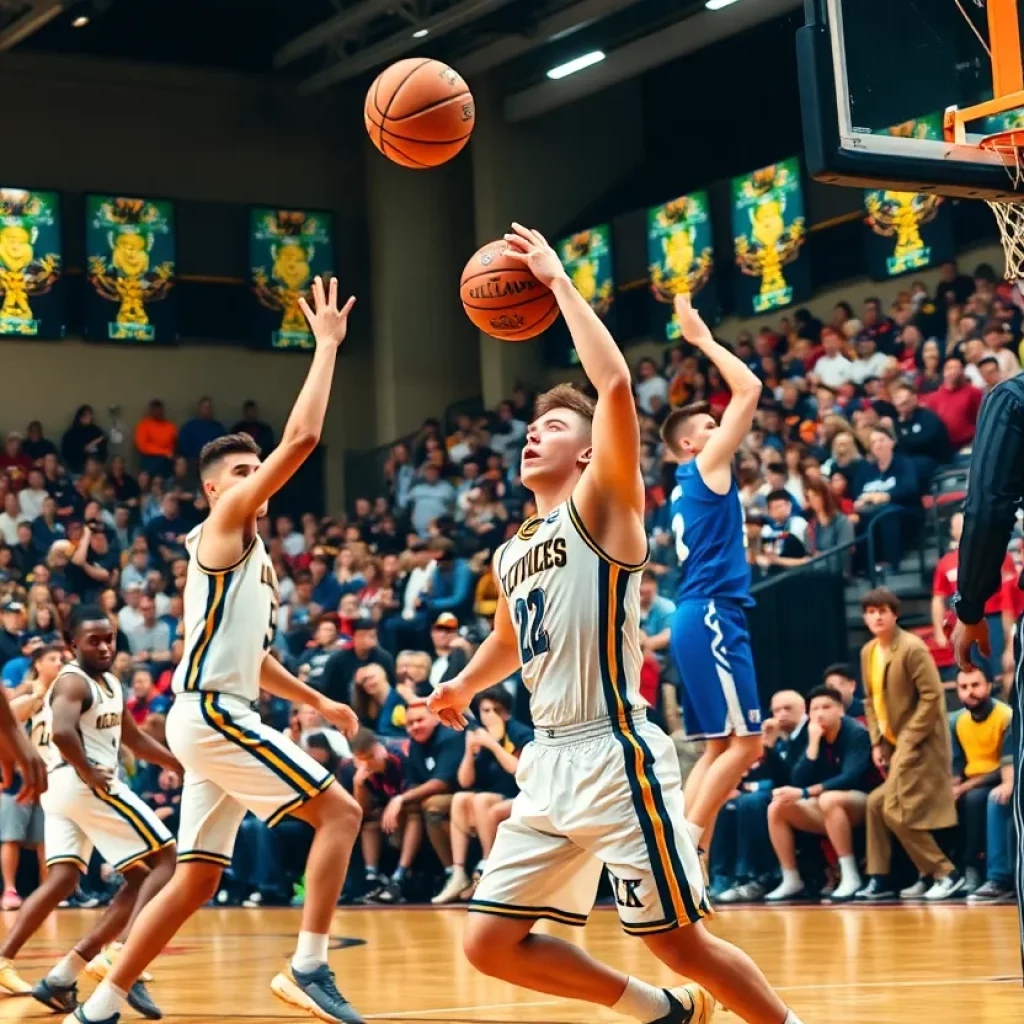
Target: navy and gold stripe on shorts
(151,837)
(216,598)
(528,913)
(68,858)
(206,857)
(669,874)
(273,757)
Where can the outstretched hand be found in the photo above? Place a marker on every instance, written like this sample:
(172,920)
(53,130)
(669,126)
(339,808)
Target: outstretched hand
(693,328)
(531,248)
(328,323)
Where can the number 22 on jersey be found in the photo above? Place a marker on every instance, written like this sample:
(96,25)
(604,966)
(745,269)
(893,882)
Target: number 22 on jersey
(529,616)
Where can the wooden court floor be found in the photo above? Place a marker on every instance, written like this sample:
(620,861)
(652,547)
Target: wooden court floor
(874,965)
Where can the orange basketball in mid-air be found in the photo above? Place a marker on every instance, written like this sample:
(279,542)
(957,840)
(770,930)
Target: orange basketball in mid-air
(503,298)
(419,112)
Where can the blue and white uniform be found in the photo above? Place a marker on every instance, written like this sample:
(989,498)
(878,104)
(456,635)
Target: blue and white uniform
(710,640)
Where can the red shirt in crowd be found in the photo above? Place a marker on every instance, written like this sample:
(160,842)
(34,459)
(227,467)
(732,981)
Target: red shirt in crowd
(957,409)
(16,467)
(944,583)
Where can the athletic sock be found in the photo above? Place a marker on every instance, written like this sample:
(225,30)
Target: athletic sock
(849,872)
(310,952)
(372,874)
(65,971)
(399,875)
(696,831)
(792,1018)
(643,1002)
(103,1003)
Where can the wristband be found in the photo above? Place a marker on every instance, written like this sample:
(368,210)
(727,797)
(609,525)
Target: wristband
(806,793)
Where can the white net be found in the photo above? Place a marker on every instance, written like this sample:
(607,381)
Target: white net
(1010,216)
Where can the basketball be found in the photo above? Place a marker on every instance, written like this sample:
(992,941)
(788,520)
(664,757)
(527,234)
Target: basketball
(503,298)
(419,112)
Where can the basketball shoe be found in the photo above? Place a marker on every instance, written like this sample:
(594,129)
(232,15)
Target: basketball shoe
(315,992)
(11,981)
(688,1004)
(103,963)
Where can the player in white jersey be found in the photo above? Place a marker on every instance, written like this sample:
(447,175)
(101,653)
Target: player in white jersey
(77,722)
(234,763)
(599,785)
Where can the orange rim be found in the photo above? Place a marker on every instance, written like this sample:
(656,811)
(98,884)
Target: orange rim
(1006,144)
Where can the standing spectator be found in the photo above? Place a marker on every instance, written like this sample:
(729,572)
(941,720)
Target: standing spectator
(827,795)
(35,445)
(257,429)
(32,497)
(200,430)
(982,760)
(15,462)
(12,625)
(150,643)
(649,384)
(450,657)
(400,474)
(340,669)
(920,434)
(910,745)
(156,439)
(10,518)
(956,402)
(82,440)
(432,498)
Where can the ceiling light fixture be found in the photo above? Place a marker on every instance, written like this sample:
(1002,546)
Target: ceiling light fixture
(81,21)
(717,5)
(570,67)
(421,33)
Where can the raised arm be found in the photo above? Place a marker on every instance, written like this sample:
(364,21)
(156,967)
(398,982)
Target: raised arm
(302,432)
(715,461)
(613,477)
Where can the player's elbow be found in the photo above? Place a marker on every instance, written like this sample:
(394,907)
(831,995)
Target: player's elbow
(617,384)
(302,440)
(751,389)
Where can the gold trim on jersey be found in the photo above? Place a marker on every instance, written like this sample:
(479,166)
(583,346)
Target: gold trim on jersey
(574,518)
(214,606)
(234,565)
(529,528)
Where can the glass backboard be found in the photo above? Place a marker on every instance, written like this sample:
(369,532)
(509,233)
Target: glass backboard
(876,79)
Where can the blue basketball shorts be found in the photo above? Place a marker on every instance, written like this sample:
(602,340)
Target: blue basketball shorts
(718,689)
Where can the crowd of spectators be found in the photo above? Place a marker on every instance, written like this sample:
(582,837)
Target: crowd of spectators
(380,605)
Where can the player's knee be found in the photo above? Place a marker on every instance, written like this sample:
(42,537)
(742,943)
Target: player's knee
(751,748)
(487,944)
(162,862)
(337,809)
(64,879)
(198,881)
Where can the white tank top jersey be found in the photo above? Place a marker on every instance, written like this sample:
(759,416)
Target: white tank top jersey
(230,621)
(100,724)
(40,731)
(577,615)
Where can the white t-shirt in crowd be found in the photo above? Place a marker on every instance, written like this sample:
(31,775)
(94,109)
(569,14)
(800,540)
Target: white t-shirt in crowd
(834,370)
(647,389)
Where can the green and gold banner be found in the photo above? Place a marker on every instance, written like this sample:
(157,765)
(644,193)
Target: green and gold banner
(906,231)
(680,254)
(770,237)
(287,249)
(928,127)
(31,285)
(587,258)
(130,253)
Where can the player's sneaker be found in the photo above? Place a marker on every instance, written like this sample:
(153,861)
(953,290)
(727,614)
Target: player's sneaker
(748,892)
(140,1001)
(688,1004)
(78,1017)
(457,881)
(992,893)
(56,997)
(316,993)
(11,981)
(103,963)
(917,890)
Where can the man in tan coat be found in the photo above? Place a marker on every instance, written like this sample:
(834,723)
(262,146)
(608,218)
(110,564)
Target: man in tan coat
(906,713)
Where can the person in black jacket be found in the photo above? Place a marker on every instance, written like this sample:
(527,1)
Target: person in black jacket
(920,435)
(888,482)
(827,795)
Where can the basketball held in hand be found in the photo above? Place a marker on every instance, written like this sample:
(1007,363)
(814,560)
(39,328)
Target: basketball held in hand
(419,112)
(503,298)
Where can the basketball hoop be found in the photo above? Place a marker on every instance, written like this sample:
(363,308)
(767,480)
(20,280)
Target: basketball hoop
(1009,147)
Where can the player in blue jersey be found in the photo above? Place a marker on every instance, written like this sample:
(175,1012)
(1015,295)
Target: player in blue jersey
(710,642)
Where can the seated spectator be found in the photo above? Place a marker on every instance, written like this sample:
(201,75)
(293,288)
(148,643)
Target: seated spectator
(956,402)
(744,825)
(23,553)
(44,622)
(166,799)
(655,620)
(920,434)
(82,440)
(827,795)
(783,535)
(379,706)
(412,671)
(251,424)
(156,439)
(203,428)
(828,527)
(340,669)
(35,445)
(888,483)
(487,776)
(144,699)
(126,487)
(17,669)
(149,642)
(10,518)
(435,753)
(94,566)
(166,533)
(982,760)
(870,362)
(998,342)
(840,677)
(450,655)
(326,590)
(431,498)
(292,542)
(451,583)
(47,528)
(322,646)
(12,626)
(31,498)
(999,841)
(833,369)
(988,367)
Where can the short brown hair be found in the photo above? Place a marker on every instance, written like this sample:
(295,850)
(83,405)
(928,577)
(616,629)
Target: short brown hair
(364,740)
(229,444)
(565,396)
(881,597)
(677,419)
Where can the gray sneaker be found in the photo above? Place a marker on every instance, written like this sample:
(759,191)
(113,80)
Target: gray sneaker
(917,890)
(316,993)
(748,892)
(56,997)
(992,893)
(974,879)
(139,999)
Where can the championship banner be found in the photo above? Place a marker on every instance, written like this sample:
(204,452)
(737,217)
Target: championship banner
(31,287)
(287,249)
(130,253)
(680,254)
(769,239)
(928,127)
(906,231)
(587,258)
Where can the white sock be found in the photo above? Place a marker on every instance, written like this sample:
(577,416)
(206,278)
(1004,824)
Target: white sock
(792,1018)
(849,872)
(792,884)
(791,879)
(310,952)
(65,971)
(641,1001)
(104,1002)
(696,831)
(480,866)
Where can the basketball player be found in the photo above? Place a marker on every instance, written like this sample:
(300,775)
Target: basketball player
(78,724)
(18,755)
(234,762)
(709,639)
(599,784)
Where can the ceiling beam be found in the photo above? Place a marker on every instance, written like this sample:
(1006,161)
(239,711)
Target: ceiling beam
(568,20)
(42,13)
(399,45)
(327,31)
